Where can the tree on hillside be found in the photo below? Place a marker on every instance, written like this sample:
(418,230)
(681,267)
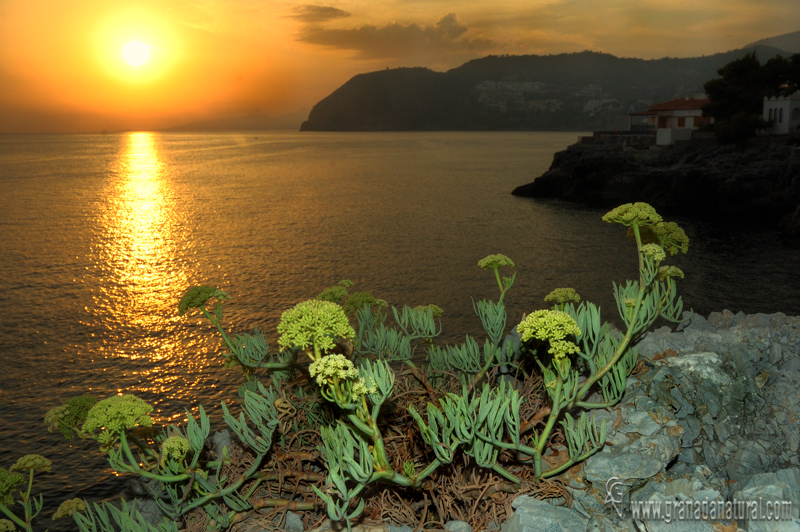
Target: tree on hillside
(737,96)
(740,89)
(782,75)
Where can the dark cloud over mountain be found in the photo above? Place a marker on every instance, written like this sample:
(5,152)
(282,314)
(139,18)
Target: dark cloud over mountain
(447,36)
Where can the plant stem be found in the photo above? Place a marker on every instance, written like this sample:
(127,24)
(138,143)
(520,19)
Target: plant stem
(221,330)
(623,346)
(11,516)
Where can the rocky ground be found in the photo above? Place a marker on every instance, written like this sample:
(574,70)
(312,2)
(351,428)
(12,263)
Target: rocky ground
(755,182)
(712,413)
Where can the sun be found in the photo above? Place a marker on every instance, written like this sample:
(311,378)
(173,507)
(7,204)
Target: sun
(136,53)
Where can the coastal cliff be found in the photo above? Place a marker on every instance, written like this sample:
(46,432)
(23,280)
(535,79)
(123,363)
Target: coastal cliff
(758,182)
(564,92)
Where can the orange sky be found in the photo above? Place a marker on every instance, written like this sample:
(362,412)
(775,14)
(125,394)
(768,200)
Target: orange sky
(62,69)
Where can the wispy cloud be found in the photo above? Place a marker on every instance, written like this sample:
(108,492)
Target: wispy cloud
(315,14)
(396,40)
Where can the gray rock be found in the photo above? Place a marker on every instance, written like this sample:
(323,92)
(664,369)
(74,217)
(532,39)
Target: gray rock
(691,431)
(221,441)
(775,353)
(706,366)
(790,364)
(696,322)
(739,415)
(293,523)
(458,526)
(780,487)
(625,466)
(642,423)
(533,515)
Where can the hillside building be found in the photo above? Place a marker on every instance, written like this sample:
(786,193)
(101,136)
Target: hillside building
(673,120)
(783,113)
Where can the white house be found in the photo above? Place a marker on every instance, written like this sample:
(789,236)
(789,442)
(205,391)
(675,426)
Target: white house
(672,120)
(783,112)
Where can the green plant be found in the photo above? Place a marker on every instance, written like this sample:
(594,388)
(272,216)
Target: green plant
(16,475)
(381,408)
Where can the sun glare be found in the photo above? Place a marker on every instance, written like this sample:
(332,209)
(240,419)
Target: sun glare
(136,53)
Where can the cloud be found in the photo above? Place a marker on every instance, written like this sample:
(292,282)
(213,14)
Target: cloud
(315,14)
(396,40)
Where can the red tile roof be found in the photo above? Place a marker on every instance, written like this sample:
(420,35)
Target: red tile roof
(681,104)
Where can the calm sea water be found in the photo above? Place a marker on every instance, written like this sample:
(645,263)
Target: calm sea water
(101,234)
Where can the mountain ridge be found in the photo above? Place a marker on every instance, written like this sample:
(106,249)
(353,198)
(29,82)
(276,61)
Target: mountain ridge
(563,92)
(789,42)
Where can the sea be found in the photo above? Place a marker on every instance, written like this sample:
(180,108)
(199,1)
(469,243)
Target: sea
(101,234)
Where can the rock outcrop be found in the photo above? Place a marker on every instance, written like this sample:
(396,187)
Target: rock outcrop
(712,414)
(757,183)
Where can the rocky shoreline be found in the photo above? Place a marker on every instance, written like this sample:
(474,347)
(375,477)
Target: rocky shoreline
(757,182)
(710,413)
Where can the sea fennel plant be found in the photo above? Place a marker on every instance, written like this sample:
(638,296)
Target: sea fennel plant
(504,402)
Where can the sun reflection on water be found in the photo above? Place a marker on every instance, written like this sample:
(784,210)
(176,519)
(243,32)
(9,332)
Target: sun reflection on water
(138,253)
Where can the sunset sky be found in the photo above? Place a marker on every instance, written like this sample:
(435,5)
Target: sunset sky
(62,66)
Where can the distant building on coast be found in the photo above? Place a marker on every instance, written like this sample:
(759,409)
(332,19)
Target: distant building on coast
(783,114)
(661,124)
(673,120)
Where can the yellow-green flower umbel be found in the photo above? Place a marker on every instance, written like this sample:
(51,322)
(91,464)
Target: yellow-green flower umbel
(633,214)
(314,326)
(495,262)
(9,480)
(667,272)
(34,462)
(654,251)
(114,415)
(562,296)
(175,448)
(552,326)
(69,507)
(339,380)
(492,262)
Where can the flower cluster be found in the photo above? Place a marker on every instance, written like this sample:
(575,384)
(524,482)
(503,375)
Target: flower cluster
(116,414)
(552,326)
(9,480)
(69,507)
(336,373)
(357,300)
(334,294)
(654,251)
(561,296)
(175,447)
(665,272)
(436,310)
(71,414)
(331,367)
(314,323)
(6,525)
(668,235)
(633,214)
(492,262)
(671,237)
(33,462)
(197,296)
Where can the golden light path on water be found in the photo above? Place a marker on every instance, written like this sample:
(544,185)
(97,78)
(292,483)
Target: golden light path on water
(139,252)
